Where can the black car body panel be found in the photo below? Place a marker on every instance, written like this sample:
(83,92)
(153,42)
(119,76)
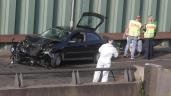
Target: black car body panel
(59,44)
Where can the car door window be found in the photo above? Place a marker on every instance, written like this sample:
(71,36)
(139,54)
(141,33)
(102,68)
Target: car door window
(92,37)
(78,38)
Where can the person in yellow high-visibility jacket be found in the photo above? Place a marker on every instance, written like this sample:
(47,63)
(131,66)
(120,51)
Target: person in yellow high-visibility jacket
(132,32)
(149,35)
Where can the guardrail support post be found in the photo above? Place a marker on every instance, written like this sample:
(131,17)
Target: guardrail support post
(18,82)
(21,80)
(126,77)
(131,75)
(113,75)
(73,78)
(78,77)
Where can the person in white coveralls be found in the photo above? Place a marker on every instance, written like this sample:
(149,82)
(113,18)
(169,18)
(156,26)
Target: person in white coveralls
(106,51)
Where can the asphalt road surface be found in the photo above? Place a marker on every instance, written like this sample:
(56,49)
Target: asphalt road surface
(162,57)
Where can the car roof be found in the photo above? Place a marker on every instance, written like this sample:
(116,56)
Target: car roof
(67,28)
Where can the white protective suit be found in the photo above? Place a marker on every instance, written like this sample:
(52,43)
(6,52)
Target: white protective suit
(106,52)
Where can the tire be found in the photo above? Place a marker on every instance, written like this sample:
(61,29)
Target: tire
(96,57)
(56,61)
(46,61)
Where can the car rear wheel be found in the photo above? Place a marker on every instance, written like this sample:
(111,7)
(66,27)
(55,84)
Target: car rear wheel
(96,57)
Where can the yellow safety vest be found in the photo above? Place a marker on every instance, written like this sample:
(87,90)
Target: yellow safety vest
(150,30)
(134,28)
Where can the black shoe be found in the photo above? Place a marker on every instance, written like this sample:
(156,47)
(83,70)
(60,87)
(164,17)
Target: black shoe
(145,58)
(149,58)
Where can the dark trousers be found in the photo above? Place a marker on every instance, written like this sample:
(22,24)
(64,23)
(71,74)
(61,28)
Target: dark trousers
(148,48)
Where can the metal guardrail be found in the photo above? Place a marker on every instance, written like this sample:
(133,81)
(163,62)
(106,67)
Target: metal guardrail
(128,74)
(114,36)
(9,38)
(119,36)
(70,70)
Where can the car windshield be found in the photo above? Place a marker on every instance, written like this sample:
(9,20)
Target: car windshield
(57,34)
(89,22)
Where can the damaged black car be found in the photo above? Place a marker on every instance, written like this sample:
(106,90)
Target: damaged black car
(59,44)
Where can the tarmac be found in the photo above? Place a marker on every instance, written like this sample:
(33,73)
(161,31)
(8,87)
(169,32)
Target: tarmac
(162,56)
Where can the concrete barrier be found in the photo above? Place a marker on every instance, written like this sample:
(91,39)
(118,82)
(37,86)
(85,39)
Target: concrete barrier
(139,73)
(157,80)
(104,89)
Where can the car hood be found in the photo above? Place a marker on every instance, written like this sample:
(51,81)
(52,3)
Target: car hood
(36,40)
(35,44)
(38,43)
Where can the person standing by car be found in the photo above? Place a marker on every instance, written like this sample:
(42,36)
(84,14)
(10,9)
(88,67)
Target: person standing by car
(138,48)
(149,35)
(106,52)
(132,32)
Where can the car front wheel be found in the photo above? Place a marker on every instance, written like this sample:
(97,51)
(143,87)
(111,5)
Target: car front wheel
(56,61)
